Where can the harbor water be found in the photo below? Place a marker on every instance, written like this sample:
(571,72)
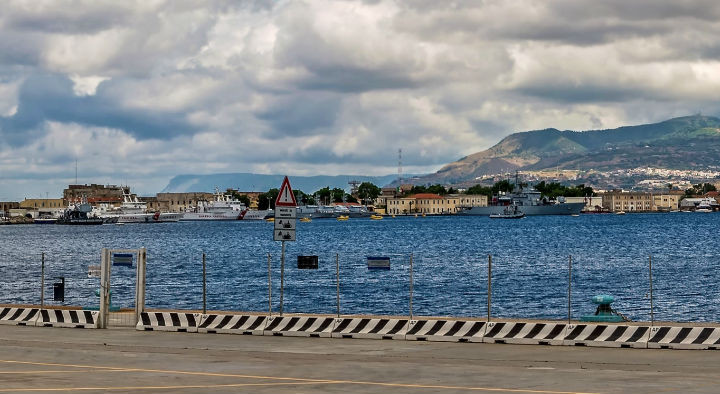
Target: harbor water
(450,258)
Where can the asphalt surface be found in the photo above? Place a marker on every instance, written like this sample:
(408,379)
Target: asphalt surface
(35,359)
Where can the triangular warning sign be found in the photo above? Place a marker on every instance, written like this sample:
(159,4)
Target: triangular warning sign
(285,198)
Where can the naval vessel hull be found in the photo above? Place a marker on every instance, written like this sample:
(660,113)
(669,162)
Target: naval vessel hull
(572,208)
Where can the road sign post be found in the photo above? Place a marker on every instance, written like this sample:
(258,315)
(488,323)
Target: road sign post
(284,227)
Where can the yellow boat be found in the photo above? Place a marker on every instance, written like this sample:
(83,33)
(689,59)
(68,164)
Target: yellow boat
(270,219)
(376,217)
(305,220)
(343,218)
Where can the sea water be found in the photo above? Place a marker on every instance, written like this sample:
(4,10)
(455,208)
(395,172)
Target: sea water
(610,255)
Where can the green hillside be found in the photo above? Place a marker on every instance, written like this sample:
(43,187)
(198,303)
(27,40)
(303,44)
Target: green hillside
(690,142)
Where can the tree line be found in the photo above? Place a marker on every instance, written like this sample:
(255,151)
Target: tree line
(367,192)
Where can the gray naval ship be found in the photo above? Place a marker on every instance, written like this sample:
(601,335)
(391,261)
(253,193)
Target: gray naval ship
(530,202)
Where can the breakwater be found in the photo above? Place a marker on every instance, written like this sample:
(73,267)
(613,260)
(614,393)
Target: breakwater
(610,256)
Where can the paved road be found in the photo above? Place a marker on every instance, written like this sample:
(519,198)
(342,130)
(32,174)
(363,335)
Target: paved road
(127,361)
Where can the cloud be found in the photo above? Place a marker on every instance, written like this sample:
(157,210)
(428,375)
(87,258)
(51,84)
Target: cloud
(51,97)
(321,86)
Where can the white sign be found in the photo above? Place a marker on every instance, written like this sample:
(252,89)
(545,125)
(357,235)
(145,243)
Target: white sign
(284,235)
(285,212)
(284,224)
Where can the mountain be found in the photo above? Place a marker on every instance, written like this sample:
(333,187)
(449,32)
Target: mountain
(691,142)
(258,182)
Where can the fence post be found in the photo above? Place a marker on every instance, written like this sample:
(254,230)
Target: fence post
(269,287)
(411,286)
(42,281)
(652,307)
(337,281)
(569,288)
(489,291)
(204,285)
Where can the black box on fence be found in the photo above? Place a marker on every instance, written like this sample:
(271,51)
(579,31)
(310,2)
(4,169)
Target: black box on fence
(308,262)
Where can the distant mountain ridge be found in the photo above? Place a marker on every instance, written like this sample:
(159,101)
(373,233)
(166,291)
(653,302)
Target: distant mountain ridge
(258,182)
(690,142)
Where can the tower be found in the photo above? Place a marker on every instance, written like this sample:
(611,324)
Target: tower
(400,167)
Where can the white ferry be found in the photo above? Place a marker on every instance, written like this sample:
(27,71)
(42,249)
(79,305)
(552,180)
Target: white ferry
(133,210)
(223,207)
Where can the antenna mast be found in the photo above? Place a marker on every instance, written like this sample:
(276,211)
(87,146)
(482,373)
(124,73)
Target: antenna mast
(400,167)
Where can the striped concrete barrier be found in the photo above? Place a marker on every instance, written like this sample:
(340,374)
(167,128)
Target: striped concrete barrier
(19,316)
(684,338)
(445,330)
(357,327)
(168,321)
(232,324)
(607,335)
(299,326)
(67,318)
(525,333)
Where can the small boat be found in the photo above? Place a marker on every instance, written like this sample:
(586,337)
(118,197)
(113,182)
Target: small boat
(45,220)
(305,220)
(376,217)
(620,212)
(270,219)
(343,218)
(509,212)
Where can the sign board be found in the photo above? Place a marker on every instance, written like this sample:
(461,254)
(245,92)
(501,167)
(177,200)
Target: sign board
(286,197)
(285,224)
(378,263)
(285,213)
(284,235)
(122,259)
(308,262)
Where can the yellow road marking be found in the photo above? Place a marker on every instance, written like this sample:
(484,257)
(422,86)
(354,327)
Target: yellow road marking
(295,380)
(204,386)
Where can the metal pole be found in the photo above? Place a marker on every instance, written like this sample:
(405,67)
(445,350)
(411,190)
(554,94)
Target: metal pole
(411,286)
(269,287)
(489,294)
(652,309)
(282,277)
(42,281)
(337,281)
(204,285)
(569,287)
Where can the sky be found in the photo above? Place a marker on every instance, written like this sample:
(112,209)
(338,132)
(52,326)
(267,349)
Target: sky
(137,92)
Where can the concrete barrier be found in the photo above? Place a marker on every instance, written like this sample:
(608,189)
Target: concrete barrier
(665,337)
(445,330)
(19,316)
(299,326)
(168,321)
(67,318)
(525,333)
(358,327)
(232,324)
(607,335)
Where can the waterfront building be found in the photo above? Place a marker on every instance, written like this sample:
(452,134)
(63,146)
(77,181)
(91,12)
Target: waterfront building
(616,201)
(693,203)
(176,202)
(433,204)
(667,202)
(37,207)
(94,194)
(6,206)
(592,204)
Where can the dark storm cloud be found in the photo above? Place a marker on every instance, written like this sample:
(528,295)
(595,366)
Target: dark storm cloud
(50,97)
(301,114)
(73,18)
(354,80)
